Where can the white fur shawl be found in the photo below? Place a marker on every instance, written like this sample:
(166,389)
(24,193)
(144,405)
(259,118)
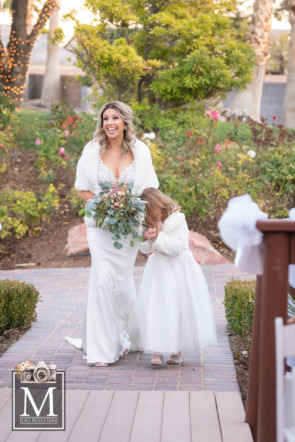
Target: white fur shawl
(87,168)
(173,238)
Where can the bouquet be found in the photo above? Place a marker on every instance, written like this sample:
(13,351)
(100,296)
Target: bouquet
(117,210)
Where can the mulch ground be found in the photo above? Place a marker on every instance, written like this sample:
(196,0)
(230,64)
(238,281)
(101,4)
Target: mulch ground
(45,249)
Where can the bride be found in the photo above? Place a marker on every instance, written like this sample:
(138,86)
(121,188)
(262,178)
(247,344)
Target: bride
(110,326)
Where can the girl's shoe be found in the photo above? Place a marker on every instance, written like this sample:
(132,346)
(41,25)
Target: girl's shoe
(175,359)
(101,364)
(156,362)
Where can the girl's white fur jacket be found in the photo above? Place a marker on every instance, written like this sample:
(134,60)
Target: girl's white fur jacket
(87,168)
(172,240)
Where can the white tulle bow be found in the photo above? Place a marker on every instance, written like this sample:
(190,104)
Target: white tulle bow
(238,230)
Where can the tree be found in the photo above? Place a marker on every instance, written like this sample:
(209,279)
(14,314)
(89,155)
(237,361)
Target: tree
(250,98)
(278,51)
(14,60)
(167,51)
(51,89)
(289,102)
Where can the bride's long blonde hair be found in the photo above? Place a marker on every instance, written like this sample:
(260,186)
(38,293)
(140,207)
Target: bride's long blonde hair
(126,114)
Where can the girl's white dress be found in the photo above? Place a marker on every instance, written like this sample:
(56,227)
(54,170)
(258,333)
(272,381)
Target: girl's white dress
(175,312)
(110,325)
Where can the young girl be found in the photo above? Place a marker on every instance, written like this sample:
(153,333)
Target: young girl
(174,304)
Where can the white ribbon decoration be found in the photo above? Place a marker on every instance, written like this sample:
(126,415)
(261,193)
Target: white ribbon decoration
(237,228)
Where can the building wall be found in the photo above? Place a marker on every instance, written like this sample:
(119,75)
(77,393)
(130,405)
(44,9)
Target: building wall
(272,100)
(70,89)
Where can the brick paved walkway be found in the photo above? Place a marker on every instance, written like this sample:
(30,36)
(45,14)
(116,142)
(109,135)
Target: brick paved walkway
(60,313)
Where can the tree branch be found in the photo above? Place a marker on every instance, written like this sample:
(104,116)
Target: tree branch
(3,58)
(42,19)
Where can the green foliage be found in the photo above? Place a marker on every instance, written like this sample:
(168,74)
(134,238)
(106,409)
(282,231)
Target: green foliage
(239,300)
(118,211)
(18,302)
(201,168)
(171,52)
(23,211)
(7,108)
(77,204)
(24,127)
(57,136)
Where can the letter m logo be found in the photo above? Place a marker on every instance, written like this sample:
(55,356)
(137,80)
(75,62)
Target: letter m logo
(48,395)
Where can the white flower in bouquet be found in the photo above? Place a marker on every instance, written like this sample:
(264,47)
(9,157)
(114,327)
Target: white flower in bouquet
(251,153)
(117,210)
(150,136)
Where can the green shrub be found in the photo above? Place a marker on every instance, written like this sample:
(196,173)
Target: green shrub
(77,204)
(18,302)
(201,168)
(22,212)
(239,300)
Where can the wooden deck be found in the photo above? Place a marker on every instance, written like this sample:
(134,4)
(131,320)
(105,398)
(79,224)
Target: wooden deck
(140,416)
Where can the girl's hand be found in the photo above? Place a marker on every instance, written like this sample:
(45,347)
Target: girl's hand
(150,233)
(159,228)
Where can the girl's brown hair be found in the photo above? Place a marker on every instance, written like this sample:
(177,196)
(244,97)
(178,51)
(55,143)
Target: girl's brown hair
(126,114)
(156,199)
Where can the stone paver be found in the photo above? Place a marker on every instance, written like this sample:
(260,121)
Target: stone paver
(60,313)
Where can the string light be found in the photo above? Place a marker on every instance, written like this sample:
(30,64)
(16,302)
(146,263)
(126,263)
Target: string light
(14,59)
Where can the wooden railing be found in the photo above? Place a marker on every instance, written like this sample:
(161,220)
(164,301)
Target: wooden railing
(270,302)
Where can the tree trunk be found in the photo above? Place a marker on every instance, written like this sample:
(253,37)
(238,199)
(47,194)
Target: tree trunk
(289,102)
(14,60)
(51,90)
(250,98)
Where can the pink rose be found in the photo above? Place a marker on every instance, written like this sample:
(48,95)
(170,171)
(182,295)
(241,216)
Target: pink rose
(214,114)
(217,148)
(116,206)
(66,133)
(61,150)
(218,165)
(38,142)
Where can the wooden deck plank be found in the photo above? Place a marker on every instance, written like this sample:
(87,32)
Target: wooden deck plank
(6,419)
(24,436)
(232,417)
(5,395)
(176,417)
(92,417)
(119,421)
(148,417)
(204,419)
(75,400)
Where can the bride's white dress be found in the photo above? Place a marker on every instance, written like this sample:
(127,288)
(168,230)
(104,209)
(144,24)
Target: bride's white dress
(110,326)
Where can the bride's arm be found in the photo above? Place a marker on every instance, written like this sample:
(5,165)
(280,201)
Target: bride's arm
(85,195)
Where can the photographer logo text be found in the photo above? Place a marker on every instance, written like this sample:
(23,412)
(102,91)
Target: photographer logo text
(38,397)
